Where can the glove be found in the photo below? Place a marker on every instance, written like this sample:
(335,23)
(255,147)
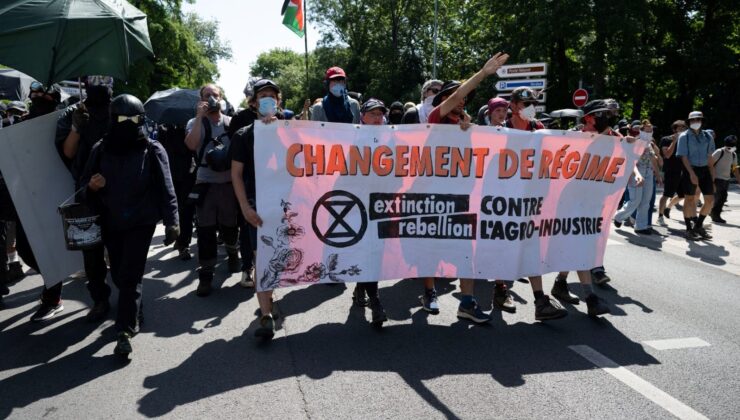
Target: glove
(171,233)
(80,118)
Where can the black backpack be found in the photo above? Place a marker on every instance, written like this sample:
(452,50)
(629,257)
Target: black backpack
(218,158)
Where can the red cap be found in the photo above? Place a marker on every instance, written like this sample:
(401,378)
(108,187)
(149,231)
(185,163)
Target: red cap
(334,72)
(494,103)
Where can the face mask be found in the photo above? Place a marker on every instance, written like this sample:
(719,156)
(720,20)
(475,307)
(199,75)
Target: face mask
(613,120)
(268,106)
(428,101)
(695,126)
(528,113)
(601,123)
(337,89)
(39,105)
(646,136)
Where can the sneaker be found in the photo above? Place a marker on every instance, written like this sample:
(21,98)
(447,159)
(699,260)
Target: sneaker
(234,264)
(15,272)
(600,278)
(703,234)
(596,306)
(699,203)
(718,219)
(184,254)
(546,309)
(679,207)
(561,292)
(473,313)
(502,299)
(4,291)
(617,224)
(358,296)
(47,311)
(378,313)
(123,346)
(667,213)
(692,235)
(644,231)
(98,312)
(429,301)
(629,222)
(204,284)
(661,221)
(247,280)
(266,329)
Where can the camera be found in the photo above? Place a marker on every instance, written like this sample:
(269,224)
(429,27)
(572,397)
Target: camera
(213,104)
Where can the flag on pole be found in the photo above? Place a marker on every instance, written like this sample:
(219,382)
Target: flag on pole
(293,16)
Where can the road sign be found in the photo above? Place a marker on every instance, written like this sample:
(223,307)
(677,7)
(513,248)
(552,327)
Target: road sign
(504,85)
(539,108)
(522,70)
(580,97)
(541,99)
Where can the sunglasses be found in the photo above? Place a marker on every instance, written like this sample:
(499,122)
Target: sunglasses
(434,90)
(136,119)
(600,114)
(528,103)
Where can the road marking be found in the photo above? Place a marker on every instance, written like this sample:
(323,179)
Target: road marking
(614,242)
(648,390)
(677,343)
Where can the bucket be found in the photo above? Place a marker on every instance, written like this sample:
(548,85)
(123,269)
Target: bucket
(81,226)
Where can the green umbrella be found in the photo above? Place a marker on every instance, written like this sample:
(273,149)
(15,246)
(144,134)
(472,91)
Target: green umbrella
(54,40)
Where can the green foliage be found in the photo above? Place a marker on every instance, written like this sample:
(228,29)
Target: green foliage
(186,49)
(659,58)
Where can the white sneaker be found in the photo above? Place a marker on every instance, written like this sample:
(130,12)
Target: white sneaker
(247,279)
(661,221)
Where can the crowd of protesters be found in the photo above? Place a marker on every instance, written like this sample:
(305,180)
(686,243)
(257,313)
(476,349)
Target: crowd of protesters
(201,176)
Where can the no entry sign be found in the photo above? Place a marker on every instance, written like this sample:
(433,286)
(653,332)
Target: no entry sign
(580,97)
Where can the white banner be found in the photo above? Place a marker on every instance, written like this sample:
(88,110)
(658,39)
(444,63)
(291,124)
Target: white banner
(38,182)
(345,203)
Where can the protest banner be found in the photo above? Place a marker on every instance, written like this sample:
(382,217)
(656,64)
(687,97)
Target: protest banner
(38,182)
(345,203)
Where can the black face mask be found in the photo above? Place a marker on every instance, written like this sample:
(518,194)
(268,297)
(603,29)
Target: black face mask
(124,136)
(601,123)
(613,120)
(395,117)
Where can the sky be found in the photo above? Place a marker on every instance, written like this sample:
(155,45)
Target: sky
(251,27)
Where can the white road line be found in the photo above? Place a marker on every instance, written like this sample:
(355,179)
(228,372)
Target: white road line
(648,390)
(677,343)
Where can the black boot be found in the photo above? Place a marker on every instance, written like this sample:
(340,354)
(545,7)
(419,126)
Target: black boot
(560,291)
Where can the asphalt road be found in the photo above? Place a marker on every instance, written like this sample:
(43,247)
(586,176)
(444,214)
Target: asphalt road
(197,358)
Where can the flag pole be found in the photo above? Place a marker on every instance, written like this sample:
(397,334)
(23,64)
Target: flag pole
(305,44)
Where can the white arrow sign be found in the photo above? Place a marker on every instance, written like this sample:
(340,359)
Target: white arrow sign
(522,70)
(505,85)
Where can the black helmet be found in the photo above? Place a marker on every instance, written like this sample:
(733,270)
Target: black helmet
(127,106)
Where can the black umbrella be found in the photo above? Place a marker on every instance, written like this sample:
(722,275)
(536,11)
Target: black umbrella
(172,106)
(14,85)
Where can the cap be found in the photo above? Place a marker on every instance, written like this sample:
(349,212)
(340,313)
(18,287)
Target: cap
(17,105)
(494,103)
(334,72)
(523,94)
(448,88)
(595,106)
(696,115)
(635,123)
(372,104)
(622,123)
(263,84)
(397,105)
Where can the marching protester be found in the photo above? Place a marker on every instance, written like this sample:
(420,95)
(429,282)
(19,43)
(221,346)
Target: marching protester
(672,168)
(725,166)
(640,187)
(523,102)
(695,148)
(449,106)
(337,106)
(366,294)
(80,126)
(213,194)
(267,100)
(128,182)
(420,113)
(395,113)
(14,113)
(496,112)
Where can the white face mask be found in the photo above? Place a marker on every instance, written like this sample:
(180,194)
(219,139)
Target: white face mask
(695,126)
(528,113)
(646,136)
(428,101)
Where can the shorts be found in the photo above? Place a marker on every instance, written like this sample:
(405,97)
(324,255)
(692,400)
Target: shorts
(219,207)
(705,181)
(672,184)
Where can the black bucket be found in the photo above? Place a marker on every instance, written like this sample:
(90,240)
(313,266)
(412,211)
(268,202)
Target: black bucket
(82,228)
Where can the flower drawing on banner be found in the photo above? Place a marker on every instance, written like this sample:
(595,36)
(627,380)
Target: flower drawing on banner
(287,259)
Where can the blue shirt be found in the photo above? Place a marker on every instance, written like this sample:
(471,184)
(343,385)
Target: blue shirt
(697,148)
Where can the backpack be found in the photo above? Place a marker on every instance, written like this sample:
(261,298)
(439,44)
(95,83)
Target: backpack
(218,158)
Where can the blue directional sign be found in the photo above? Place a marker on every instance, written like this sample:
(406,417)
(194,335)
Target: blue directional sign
(506,85)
